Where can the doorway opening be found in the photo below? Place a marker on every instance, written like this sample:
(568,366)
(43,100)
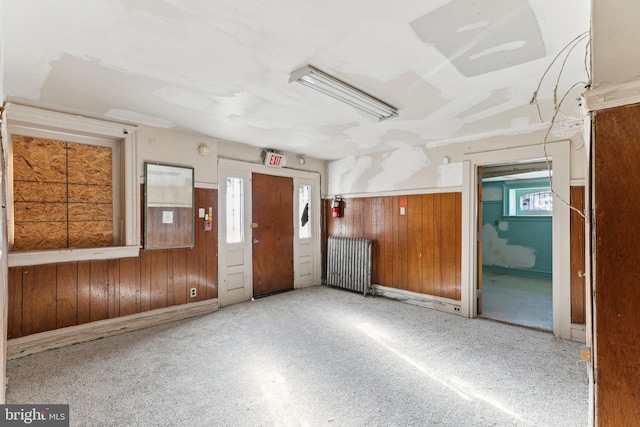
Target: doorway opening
(515,268)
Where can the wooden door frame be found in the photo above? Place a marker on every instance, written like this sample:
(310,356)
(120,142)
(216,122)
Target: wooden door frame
(307,176)
(559,153)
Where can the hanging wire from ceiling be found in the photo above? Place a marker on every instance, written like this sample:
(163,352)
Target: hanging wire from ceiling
(567,50)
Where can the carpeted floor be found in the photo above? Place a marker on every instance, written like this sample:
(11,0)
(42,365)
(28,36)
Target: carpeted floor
(314,357)
(520,300)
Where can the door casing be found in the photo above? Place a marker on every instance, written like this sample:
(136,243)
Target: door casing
(559,153)
(311,252)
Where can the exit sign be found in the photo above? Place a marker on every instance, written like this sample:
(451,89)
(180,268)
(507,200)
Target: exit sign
(274,160)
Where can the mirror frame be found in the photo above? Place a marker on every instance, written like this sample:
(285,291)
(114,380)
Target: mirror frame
(169,220)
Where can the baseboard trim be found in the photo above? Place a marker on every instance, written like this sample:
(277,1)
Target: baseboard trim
(422,300)
(63,337)
(578,333)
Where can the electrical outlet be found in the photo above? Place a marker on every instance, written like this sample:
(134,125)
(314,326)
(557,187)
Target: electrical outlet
(193,292)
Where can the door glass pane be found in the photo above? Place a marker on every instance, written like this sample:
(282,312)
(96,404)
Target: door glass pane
(235,210)
(304,207)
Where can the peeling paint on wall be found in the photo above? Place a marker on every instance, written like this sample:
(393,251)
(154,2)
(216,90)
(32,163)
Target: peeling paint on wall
(450,175)
(344,174)
(398,166)
(498,252)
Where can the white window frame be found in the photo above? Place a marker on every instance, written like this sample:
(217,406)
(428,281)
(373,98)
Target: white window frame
(44,122)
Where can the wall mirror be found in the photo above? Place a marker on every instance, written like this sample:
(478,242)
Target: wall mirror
(168,206)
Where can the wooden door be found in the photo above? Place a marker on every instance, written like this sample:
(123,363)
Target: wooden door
(479,291)
(272,233)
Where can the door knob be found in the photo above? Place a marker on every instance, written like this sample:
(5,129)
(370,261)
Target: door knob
(256,241)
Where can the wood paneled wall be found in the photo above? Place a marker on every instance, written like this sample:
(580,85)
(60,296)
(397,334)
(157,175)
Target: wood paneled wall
(419,251)
(47,297)
(578,302)
(617,266)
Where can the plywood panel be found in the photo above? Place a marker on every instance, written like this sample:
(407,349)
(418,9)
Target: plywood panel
(14,303)
(32,191)
(578,301)
(39,298)
(67,294)
(41,160)
(616,181)
(90,234)
(29,212)
(82,193)
(89,164)
(90,212)
(39,235)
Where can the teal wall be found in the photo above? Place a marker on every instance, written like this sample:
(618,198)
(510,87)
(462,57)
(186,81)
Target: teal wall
(531,235)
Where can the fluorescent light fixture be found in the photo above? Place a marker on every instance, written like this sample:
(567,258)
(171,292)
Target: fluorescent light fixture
(329,85)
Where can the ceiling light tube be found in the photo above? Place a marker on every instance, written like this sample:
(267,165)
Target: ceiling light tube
(331,86)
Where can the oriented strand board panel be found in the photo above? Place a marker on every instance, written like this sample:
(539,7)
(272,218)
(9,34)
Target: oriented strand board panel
(63,195)
(90,164)
(40,160)
(39,236)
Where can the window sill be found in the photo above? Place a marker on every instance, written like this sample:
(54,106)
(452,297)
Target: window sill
(20,259)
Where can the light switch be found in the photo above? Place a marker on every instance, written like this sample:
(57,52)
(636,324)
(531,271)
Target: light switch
(200,212)
(403,210)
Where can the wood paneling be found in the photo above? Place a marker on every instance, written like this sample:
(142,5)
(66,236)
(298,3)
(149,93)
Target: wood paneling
(53,296)
(420,251)
(617,293)
(38,298)
(578,302)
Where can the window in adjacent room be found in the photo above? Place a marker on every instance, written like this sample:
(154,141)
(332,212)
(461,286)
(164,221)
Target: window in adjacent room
(528,199)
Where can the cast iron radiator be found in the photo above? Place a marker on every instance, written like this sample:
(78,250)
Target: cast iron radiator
(349,264)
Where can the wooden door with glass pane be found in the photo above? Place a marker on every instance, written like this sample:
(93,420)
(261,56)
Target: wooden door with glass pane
(272,234)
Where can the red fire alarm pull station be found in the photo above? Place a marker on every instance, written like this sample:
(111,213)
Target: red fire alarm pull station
(208,220)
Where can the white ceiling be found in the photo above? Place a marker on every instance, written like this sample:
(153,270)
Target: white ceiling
(457,70)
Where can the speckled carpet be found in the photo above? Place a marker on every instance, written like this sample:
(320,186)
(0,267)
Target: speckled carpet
(314,357)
